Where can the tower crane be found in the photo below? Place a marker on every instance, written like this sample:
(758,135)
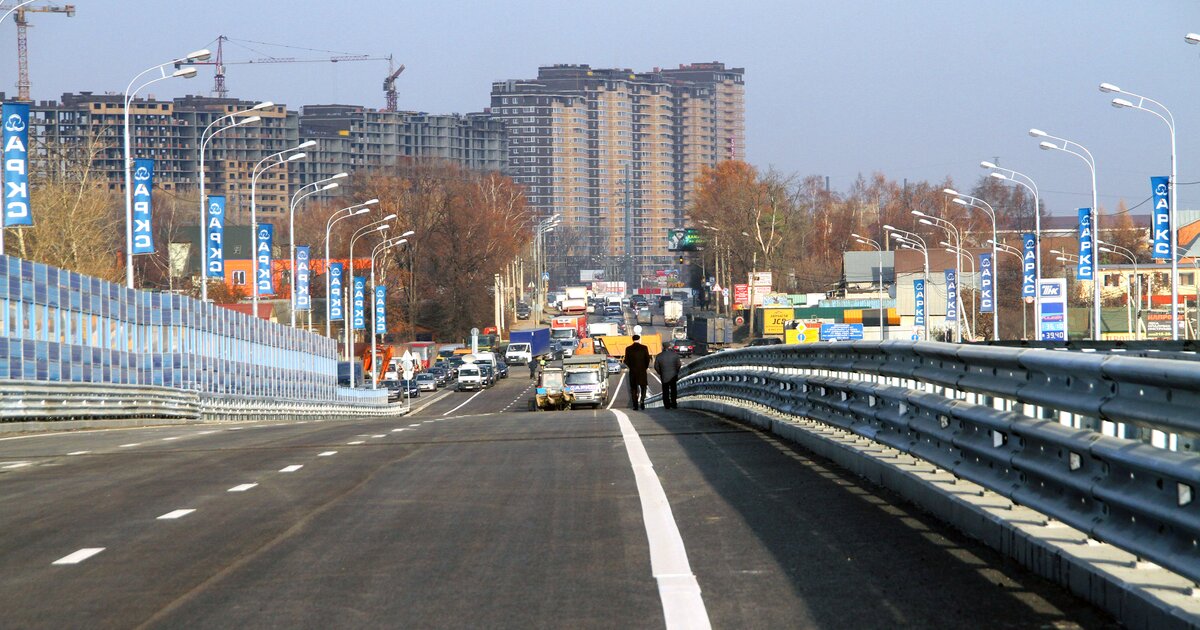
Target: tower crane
(389,86)
(23,45)
(218,61)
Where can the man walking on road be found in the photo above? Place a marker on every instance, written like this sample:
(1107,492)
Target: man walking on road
(667,364)
(637,359)
(533,367)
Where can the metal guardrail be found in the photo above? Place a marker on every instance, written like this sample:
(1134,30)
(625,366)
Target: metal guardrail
(42,400)
(22,401)
(1184,349)
(1102,442)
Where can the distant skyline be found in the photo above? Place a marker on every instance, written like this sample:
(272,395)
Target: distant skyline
(919,90)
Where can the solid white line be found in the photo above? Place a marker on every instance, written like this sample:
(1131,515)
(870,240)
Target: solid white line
(355,442)
(131,445)
(326,453)
(174,514)
(242,488)
(616,391)
(79,556)
(460,406)
(292,468)
(78,452)
(683,607)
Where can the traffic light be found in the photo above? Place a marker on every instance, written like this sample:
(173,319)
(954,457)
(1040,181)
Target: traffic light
(681,260)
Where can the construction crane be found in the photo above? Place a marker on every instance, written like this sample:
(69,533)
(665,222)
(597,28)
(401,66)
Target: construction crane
(23,45)
(389,86)
(221,91)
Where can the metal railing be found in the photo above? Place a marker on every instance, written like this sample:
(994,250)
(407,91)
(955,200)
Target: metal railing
(1102,442)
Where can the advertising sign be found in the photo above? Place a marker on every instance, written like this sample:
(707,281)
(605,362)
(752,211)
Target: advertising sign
(1158,324)
(741,295)
(841,332)
(16,165)
(1085,271)
(775,318)
(215,258)
(336,311)
(609,287)
(265,236)
(804,332)
(380,310)
(591,275)
(951,296)
(1029,266)
(986,300)
(358,300)
(1160,192)
(683,240)
(919,301)
(1052,309)
(303,279)
(143,183)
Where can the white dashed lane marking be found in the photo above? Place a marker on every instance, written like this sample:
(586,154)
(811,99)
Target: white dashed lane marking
(79,453)
(175,514)
(326,453)
(79,556)
(378,436)
(131,445)
(242,488)
(8,465)
(292,468)
(355,442)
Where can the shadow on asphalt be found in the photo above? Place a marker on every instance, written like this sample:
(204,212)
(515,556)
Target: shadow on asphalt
(853,555)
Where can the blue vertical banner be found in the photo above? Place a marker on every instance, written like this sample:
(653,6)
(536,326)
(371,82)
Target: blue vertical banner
(336,287)
(987,298)
(1160,193)
(143,183)
(215,237)
(1086,270)
(264,237)
(16,165)
(951,296)
(303,278)
(919,299)
(358,316)
(1029,266)
(380,310)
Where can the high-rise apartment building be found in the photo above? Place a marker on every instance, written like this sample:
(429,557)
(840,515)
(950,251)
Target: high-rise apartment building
(616,154)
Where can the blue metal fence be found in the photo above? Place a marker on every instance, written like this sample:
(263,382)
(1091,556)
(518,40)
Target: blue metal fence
(61,326)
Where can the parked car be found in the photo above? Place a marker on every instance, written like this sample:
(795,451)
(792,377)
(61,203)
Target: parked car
(501,369)
(685,347)
(614,366)
(765,341)
(426,382)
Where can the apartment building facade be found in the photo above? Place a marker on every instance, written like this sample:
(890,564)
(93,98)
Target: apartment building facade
(616,154)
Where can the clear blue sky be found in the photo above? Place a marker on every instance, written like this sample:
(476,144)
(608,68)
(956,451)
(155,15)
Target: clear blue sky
(917,89)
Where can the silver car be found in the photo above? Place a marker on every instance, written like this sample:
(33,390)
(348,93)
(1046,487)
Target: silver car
(427,382)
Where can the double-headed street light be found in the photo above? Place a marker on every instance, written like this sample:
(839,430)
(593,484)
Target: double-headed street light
(131,91)
(302,193)
(375,226)
(1169,120)
(208,134)
(338,215)
(1021,179)
(870,242)
(1081,152)
(1127,254)
(912,240)
(962,252)
(980,204)
(1005,248)
(375,252)
(273,160)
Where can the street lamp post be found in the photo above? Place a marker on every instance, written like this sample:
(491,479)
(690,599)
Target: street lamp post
(1116,250)
(966,254)
(275,159)
(882,317)
(951,232)
(1009,249)
(975,202)
(351,211)
(1082,153)
(912,240)
(375,226)
(130,91)
(301,194)
(1007,174)
(1169,119)
(208,134)
(378,249)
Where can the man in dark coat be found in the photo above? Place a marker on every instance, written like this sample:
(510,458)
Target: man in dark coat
(637,358)
(667,364)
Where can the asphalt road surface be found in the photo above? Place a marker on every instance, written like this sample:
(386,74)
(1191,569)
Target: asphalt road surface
(475,512)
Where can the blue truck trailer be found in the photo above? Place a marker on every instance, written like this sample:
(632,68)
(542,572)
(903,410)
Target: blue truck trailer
(527,345)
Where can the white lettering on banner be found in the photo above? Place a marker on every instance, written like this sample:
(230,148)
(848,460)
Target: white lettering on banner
(15,144)
(213,224)
(18,189)
(16,209)
(140,189)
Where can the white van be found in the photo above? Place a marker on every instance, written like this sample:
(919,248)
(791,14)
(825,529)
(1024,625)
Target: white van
(469,377)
